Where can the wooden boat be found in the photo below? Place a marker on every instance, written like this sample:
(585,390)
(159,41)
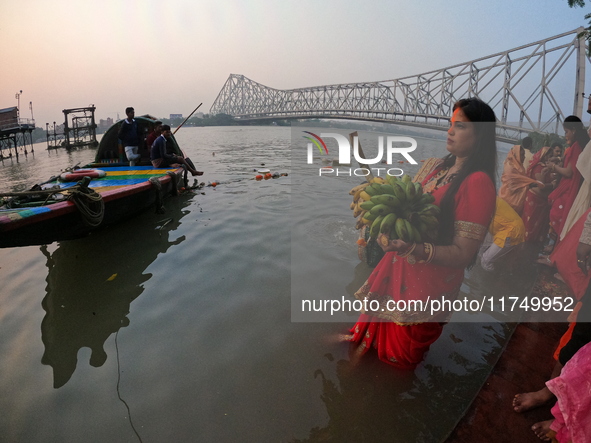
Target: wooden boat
(62,210)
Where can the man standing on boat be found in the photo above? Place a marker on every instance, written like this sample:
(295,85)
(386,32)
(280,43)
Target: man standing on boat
(130,137)
(162,159)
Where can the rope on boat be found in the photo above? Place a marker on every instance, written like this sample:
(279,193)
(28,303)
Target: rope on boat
(159,197)
(50,191)
(89,203)
(32,198)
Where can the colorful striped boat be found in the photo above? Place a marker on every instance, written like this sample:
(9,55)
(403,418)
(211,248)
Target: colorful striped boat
(59,210)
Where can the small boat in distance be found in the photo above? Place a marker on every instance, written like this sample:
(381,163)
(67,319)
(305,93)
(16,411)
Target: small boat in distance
(102,193)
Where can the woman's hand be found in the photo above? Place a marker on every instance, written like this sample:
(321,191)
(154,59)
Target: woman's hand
(392,245)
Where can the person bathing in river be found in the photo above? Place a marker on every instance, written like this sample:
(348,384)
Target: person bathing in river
(161,159)
(463,185)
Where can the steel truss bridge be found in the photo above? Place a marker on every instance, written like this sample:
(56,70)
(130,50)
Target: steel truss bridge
(525,87)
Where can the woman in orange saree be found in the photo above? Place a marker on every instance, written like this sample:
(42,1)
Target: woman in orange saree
(515,181)
(464,189)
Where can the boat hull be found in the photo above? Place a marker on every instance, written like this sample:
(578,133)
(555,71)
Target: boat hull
(63,221)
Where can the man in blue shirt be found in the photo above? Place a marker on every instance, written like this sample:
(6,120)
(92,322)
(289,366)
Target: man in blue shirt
(162,159)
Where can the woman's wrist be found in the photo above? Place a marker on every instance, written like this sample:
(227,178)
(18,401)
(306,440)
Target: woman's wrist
(419,252)
(424,252)
(409,251)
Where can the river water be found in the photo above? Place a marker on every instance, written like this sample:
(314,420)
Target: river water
(182,331)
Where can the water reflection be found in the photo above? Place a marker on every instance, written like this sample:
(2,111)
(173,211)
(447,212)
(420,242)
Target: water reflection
(91,283)
(372,401)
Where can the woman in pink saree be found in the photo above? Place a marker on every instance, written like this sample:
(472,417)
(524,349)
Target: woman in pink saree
(573,406)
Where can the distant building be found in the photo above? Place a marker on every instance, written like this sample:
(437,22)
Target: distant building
(199,115)
(175,116)
(105,124)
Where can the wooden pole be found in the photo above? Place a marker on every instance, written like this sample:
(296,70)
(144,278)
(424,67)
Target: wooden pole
(187,118)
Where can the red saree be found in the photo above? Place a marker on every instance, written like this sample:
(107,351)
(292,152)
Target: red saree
(402,337)
(562,198)
(564,257)
(536,209)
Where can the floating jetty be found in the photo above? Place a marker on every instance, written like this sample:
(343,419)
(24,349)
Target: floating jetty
(15,133)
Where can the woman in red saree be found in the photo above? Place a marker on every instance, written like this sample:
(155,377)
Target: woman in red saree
(536,208)
(464,188)
(562,198)
(564,258)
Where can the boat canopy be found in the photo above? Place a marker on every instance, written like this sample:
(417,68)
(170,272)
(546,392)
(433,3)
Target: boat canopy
(110,148)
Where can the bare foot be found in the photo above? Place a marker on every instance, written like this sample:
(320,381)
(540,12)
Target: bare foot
(530,400)
(338,338)
(544,260)
(196,173)
(541,429)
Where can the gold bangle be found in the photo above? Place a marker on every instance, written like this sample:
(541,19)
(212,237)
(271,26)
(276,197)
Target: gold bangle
(426,250)
(410,250)
(429,249)
(432,256)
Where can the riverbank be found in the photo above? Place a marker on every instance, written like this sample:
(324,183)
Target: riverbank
(524,366)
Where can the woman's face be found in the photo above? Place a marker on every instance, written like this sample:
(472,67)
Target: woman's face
(556,152)
(461,136)
(569,134)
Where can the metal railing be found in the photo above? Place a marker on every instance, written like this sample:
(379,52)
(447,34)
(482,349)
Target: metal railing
(16,124)
(521,85)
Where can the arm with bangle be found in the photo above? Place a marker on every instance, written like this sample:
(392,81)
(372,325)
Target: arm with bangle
(474,208)
(565,172)
(457,255)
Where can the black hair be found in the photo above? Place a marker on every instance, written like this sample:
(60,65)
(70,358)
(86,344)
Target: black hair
(527,143)
(129,109)
(482,158)
(165,128)
(575,124)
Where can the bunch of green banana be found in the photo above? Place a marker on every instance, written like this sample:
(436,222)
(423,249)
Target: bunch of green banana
(396,207)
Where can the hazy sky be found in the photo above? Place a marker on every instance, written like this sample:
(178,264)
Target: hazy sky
(166,57)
